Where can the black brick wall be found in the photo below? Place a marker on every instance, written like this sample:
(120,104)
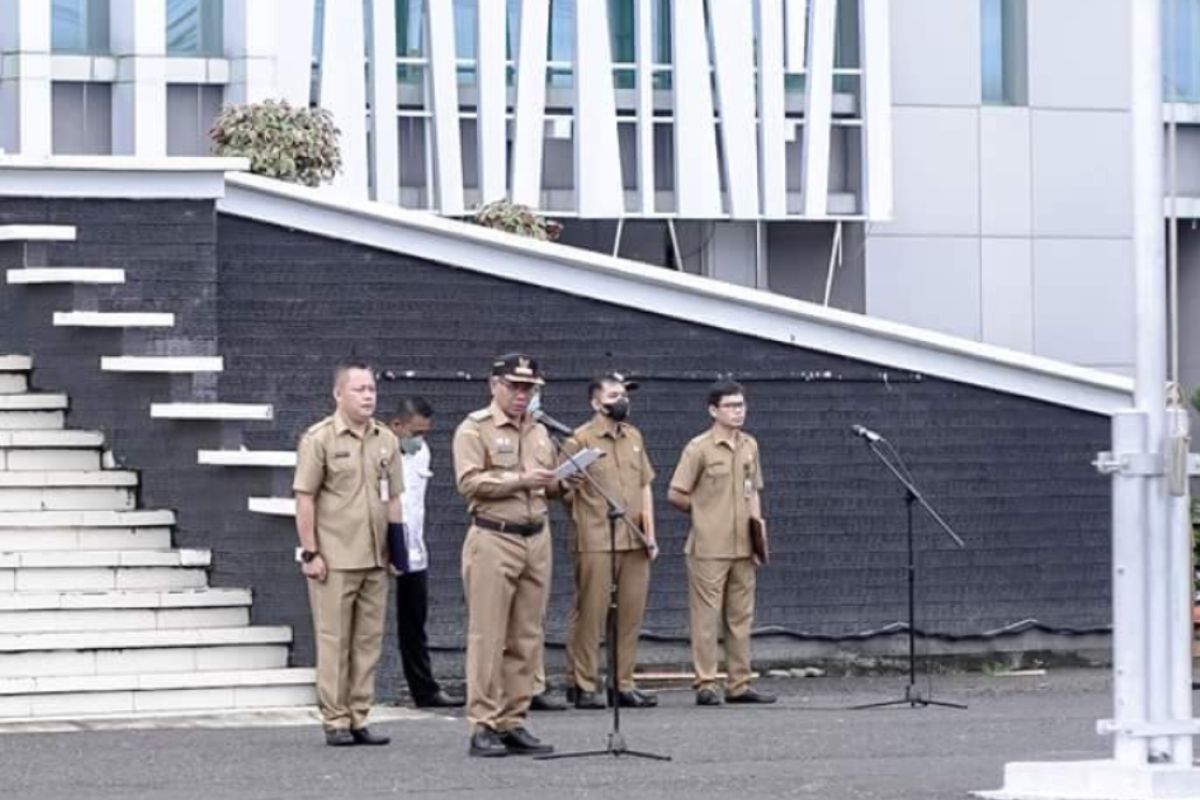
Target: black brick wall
(282,306)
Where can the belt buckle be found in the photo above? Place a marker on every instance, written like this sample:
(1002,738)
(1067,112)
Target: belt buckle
(503,526)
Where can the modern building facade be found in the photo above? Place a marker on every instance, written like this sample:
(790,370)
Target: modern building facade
(959,165)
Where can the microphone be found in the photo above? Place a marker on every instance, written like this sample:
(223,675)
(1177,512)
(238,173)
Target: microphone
(866,433)
(551,423)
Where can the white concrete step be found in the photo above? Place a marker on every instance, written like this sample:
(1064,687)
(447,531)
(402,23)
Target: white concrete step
(37,233)
(13,382)
(125,598)
(42,459)
(51,438)
(212,411)
(159,680)
(272,506)
(85,518)
(112,319)
(162,363)
(15,363)
(63,559)
(22,539)
(27,276)
(247,458)
(80,578)
(76,705)
(49,498)
(129,619)
(158,659)
(122,640)
(55,478)
(32,402)
(31,420)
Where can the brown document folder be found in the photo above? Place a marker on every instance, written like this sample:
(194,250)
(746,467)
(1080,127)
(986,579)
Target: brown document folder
(758,540)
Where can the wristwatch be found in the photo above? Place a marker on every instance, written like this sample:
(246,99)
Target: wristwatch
(304,556)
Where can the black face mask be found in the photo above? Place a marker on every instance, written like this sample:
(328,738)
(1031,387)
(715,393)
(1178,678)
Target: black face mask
(616,410)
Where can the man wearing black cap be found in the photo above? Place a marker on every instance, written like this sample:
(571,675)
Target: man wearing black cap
(625,474)
(503,465)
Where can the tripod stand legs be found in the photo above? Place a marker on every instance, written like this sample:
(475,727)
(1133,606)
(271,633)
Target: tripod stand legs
(912,698)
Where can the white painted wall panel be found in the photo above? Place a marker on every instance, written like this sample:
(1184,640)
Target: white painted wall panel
(344,92)
(531,103)
(733,50)
(796,33)
(1081,173)
(1006,281)
(772,137)
(936,52)
(877,110)
(384,125)
(1005,171)
(932,283)
(295,54)
(490,32)
(819,107)
(697,184)
(1079,54)
(598,183)
(443,82)
(1082,311)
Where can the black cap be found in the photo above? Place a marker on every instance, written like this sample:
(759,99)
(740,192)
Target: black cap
(518,368)
(613,377)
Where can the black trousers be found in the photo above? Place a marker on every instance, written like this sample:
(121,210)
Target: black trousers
(412,607)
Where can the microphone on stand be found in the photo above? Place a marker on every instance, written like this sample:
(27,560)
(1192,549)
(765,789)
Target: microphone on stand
(553,425)
(866,433)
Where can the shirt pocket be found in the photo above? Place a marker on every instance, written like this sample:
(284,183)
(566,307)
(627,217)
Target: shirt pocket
(717,470)
(343,472)
(507,460)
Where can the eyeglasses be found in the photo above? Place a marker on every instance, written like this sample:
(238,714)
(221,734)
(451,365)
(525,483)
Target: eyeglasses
(735,406)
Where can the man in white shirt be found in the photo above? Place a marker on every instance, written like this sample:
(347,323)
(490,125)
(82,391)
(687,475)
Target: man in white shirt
(414,419)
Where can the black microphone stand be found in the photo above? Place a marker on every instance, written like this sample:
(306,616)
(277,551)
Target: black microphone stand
(912,695)
(615,744)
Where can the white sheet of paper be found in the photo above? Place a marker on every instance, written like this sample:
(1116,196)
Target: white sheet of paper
(584,459)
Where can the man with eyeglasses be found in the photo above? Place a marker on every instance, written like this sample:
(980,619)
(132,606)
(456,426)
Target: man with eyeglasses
(504,467)
(717,483)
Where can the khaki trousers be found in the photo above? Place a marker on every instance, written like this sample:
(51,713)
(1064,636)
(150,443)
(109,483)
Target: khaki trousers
(348,610)
(507,580)
(721,594)
(593,574)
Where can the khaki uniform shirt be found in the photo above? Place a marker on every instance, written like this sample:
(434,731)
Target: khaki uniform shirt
(624,473)
(490,453)
(344,472)
(722,477)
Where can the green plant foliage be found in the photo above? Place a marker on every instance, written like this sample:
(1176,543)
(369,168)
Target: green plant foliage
(299,145)
(521,220)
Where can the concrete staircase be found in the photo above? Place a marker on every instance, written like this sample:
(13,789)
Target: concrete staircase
(98,614)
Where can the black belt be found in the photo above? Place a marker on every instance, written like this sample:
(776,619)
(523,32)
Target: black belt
(520,529)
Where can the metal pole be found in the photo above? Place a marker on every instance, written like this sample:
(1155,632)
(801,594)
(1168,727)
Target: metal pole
(1151,321)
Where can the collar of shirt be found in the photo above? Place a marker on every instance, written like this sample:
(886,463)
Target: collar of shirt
(730,440)
(342,425)
(603,426)
(501,419)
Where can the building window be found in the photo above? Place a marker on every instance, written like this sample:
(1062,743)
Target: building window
(191,109)
(82,118)
(1003,40)
(194,27)
(79,26)
(1181,51)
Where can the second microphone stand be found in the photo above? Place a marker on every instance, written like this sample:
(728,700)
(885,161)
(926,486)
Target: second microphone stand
(615,745)
(912,695)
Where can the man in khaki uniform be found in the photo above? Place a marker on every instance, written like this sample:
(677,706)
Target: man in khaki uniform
(348,482)
(503,464)
(717,482)
(625,474)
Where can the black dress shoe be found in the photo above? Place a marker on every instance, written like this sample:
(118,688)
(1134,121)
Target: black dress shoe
(439,700)
(544,702)
(707,697)
(589,700)
(339,737)
(486,743)
(521,742)
(750,696)
(572,693)
(636,698)
(364,735)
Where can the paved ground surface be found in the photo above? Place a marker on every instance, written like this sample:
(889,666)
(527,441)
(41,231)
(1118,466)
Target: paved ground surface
(806,746)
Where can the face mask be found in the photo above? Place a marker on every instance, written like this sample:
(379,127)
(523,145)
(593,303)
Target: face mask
(411,445)
(617,410)
(535,403)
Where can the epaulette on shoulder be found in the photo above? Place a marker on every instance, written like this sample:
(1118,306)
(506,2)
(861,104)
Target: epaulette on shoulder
(480,415)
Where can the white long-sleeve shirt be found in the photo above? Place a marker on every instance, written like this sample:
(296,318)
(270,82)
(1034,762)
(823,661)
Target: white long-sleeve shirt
(416,481)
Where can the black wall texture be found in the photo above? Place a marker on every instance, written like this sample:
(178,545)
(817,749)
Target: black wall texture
(282,306)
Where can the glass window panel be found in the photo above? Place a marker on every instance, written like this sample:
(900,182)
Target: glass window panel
(1181,50)
(410,28)
(1003,51)
(79,26)
(194,27)
(660,26)
(845,50)
(562,31)
(465,15)
(82,118)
